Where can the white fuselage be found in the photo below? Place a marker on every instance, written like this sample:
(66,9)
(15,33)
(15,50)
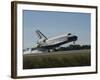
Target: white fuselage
(57,39)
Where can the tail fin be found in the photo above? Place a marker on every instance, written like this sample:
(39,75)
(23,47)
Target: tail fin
(40,35)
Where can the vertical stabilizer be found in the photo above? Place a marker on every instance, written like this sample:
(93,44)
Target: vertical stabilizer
(40,35)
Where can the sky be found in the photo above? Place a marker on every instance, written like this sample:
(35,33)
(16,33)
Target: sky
(53,23)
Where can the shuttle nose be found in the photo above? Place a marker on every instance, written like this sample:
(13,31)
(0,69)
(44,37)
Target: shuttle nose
(72,38)
(75,38)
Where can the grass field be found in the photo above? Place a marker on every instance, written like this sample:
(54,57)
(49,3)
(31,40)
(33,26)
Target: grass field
(57,59)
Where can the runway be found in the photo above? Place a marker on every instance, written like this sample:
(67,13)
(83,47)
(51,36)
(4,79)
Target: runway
(60,52)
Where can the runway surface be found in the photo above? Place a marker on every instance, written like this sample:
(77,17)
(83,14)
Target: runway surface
(60,52)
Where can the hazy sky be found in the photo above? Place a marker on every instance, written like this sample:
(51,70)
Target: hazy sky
(52,23)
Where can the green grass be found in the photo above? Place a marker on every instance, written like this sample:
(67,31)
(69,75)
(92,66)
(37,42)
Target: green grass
(57,59)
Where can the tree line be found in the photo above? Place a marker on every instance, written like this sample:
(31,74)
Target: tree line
(74,47)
